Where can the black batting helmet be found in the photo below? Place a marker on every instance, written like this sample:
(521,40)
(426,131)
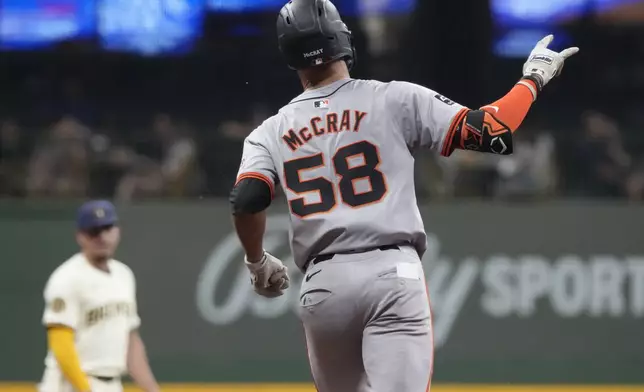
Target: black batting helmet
(311,33)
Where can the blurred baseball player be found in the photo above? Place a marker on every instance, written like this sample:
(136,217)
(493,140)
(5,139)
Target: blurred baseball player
(342,152)
(91,315)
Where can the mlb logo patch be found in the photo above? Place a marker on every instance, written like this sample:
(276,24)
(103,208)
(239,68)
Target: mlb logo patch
(323,104)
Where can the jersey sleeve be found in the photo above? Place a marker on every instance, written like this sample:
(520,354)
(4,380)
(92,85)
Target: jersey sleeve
(62,305)
(135,319)
(256,160)
(424,116)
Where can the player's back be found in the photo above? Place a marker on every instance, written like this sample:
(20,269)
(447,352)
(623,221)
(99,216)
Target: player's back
(343,157)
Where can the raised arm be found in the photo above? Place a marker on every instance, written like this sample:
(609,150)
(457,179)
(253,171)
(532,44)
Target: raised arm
(444,125)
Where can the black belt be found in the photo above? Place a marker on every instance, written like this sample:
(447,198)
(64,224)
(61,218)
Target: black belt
(325,257)
(105,379)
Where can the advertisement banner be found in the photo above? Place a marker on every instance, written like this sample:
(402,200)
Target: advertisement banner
(520,294)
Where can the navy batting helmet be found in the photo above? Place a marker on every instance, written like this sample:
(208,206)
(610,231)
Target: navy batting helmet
(311,33)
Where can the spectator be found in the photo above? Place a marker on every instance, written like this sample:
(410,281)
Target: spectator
(530,171)
(602,163)
(176,174)
(224,152)
(470,174)
(60,164)
(112,159)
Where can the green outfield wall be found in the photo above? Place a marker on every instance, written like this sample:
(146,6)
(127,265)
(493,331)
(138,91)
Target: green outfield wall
(546,293)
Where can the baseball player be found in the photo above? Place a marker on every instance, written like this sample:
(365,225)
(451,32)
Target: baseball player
(342,152)
(91,315)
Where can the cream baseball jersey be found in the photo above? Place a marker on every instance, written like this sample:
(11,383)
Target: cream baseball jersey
(343,156)
(99,306)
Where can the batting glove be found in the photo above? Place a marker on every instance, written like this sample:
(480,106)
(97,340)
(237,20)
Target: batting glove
(544,64)
(269,276)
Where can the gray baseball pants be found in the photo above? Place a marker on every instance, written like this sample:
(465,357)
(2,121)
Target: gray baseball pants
(367,322)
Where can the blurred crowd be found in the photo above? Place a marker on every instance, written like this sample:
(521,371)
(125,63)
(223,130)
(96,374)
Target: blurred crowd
(172,158)
(76,124)
(70,159)
(589,159)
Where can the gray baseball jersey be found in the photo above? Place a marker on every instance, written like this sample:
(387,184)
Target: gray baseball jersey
(343,156)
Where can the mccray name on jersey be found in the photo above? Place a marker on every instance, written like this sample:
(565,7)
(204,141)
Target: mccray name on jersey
(349,120)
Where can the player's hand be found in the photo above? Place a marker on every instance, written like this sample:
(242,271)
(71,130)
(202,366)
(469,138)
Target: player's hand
(269,276)
(544,64)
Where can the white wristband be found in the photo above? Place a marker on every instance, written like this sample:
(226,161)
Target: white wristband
(256,262)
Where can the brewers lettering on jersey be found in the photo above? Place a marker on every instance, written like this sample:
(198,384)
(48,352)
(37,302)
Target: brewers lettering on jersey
(342,153)
(91,315)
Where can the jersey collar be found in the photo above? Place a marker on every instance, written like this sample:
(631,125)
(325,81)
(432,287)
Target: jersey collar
(321,91)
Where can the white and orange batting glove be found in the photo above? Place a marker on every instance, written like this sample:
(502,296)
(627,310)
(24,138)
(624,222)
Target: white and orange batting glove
(544,64)
(269,276)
